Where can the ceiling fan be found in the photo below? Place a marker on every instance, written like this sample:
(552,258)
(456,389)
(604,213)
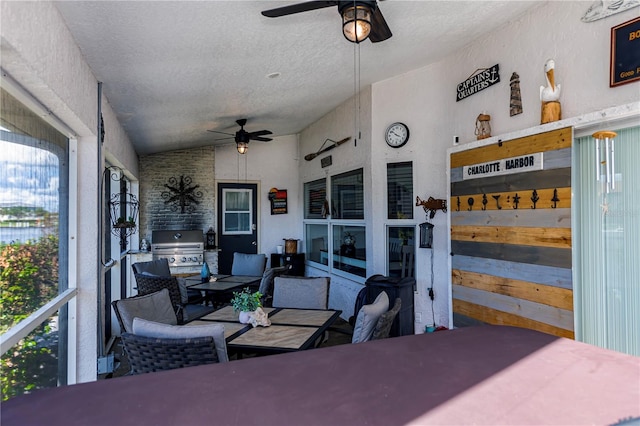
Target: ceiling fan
(360,19)
(242,137)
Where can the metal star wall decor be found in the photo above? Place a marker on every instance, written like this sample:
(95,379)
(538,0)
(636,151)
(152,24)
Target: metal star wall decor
(181,194)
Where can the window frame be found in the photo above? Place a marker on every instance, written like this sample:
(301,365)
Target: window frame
(330,223)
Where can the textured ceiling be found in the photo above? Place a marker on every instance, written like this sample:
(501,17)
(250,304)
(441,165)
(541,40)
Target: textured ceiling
(171,70)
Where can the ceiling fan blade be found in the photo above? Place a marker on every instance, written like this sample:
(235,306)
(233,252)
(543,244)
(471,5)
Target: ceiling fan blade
(380,31)
(260,133)
(223,133)
(260,138)
(224,139)
(297,8)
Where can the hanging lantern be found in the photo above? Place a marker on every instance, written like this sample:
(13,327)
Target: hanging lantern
(123,206)
(483,127)
(211,238)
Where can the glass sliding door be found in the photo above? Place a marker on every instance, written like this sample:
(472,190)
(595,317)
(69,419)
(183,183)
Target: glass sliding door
(606,237)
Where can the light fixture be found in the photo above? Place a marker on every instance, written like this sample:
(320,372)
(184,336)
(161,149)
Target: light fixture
(242,147)
(426,235)
(356,21)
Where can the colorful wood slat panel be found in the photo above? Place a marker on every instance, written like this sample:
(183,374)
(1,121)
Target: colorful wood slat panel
(511,236)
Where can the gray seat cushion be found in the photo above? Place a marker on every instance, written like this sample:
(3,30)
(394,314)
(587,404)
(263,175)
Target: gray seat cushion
(146,328)
(301,292)
(368,318)
(248,264)
(153,307)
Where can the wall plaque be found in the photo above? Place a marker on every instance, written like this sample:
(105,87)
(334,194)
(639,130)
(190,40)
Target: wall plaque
(479,80)
(625,53)
(278,198)
(505,166)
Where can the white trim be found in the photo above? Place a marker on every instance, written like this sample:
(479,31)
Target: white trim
(32,103)
(72,267)
(27,325)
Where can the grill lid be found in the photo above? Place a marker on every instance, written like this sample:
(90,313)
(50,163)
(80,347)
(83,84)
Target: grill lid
(176,238)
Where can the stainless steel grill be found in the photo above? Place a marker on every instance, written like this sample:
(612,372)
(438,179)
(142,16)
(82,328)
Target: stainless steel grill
(184,249)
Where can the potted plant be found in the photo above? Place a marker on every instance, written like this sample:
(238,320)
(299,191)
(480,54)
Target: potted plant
(246,302)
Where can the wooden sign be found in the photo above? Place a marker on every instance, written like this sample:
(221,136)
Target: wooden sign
(479,80)
(625,53)
(278,198)
(504,166)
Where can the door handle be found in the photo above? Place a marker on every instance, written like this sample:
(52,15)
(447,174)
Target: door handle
(253,243)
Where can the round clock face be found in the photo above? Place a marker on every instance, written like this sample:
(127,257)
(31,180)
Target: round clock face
(397,135)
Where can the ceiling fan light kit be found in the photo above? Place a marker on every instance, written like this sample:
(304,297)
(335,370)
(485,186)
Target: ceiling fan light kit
(356,22)
(242,137)
(242,147)
(361,19)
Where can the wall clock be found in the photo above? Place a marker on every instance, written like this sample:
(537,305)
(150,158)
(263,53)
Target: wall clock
(397,135)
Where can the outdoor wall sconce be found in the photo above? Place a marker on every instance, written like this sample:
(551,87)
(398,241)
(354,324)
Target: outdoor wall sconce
(426,235)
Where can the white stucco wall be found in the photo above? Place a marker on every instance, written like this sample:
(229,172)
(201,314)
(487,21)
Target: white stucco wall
(38,52)
(425,100)
(272,165)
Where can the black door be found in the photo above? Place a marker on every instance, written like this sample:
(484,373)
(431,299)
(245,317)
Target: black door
(237,222)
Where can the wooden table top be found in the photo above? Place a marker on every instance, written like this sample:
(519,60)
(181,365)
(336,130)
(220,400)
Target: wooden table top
(224,283)
(290,330)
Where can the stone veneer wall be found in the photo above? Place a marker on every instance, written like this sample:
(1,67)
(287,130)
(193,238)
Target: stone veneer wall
(155,172)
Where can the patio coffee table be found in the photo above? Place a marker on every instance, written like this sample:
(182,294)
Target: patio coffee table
(291,329)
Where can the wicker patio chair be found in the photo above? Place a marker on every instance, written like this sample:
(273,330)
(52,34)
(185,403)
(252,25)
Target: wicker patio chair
(149,354)
(150,284)
(383,326)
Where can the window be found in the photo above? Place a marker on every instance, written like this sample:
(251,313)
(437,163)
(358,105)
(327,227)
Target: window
(400,251)
(400,190)
(347,195)
(335,236)
(34,193)
(237,211)
(317,243)
(315,195)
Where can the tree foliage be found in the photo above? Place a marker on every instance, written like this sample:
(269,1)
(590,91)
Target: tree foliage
(28,280)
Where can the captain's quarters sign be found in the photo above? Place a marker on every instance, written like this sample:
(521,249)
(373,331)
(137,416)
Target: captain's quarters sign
(479,80)
(506,166)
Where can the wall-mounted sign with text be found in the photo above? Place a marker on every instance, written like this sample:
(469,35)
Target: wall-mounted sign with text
(278,198)
(505,166)
(479,80)
(625,53)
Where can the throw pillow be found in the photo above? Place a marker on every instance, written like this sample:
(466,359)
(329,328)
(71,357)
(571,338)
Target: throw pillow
(368,318)
(146,328)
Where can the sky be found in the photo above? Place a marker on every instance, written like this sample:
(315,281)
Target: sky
(28,177)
